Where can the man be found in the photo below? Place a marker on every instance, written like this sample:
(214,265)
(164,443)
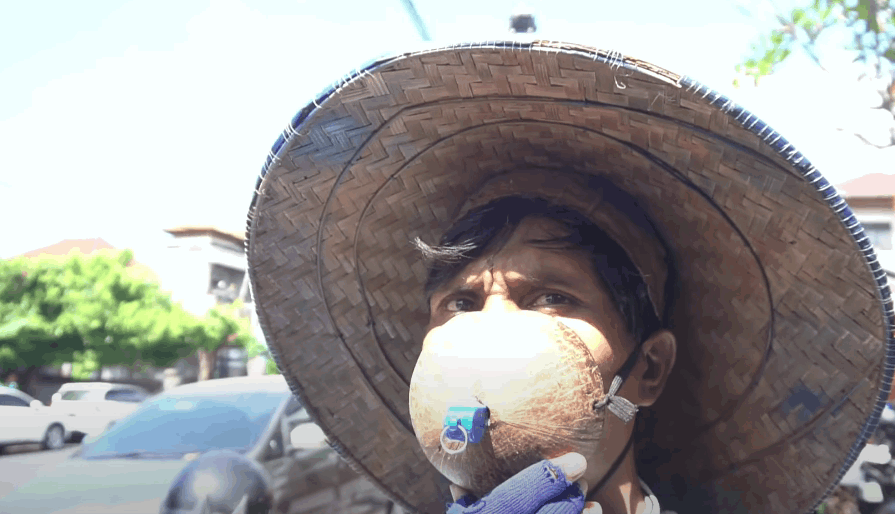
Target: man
(733,318)
(518,255)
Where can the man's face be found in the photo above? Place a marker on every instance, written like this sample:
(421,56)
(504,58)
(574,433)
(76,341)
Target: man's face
(555,279)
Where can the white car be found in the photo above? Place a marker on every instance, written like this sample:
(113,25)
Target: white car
(92,407)
(26,420)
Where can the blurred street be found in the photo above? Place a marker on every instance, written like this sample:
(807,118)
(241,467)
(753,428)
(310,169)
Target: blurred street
(253,423)
(20,464)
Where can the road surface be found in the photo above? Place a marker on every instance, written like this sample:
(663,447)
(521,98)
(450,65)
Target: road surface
(20,464)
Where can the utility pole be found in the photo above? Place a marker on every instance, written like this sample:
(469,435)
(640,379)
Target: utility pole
(416,19)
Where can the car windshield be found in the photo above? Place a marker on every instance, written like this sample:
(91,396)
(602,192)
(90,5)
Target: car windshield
(75,395)
(172,426)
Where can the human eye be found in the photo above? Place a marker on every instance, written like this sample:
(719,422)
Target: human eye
(548,300)
(459,305)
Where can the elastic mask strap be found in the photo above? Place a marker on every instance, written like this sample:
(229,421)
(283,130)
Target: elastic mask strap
(612,469)
(621,407)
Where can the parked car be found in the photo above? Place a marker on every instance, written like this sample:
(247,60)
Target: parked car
(26,420)
(137,465)
(868,487)
(93,406)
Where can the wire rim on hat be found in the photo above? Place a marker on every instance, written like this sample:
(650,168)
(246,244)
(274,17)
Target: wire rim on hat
(325,141)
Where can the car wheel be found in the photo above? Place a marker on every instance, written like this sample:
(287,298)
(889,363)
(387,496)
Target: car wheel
(54,438)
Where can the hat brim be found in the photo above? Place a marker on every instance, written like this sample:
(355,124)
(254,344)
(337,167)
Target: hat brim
(783,316)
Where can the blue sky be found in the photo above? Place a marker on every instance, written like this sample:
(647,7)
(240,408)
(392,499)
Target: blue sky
(121,118)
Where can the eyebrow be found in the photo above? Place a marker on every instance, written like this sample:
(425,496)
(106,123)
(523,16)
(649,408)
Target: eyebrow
(545,279)
(562,243)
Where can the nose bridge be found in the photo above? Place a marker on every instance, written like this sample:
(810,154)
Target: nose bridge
(497,293)
(499,302)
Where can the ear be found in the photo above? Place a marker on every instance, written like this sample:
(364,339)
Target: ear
(657,356)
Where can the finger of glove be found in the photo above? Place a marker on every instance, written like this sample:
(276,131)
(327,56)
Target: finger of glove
(572,464)
(570,501)
(461,506)
(462,502)
(526,492)
(537,483)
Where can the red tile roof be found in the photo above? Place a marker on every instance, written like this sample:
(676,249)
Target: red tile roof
(87,247)
(872,184)
(66,246)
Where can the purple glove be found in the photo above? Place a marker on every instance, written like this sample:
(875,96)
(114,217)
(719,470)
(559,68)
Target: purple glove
(541,488)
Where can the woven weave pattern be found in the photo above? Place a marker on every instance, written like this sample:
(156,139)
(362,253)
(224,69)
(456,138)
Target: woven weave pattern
(771,275)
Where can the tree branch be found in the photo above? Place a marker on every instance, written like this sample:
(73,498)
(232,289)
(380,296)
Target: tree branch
(867,141)
(808,48)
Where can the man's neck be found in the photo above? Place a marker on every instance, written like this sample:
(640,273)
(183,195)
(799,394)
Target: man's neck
(622,493)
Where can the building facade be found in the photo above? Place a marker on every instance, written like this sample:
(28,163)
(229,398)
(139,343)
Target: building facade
(872,199)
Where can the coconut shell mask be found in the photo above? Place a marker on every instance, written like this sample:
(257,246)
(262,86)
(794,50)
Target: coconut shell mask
(532,377)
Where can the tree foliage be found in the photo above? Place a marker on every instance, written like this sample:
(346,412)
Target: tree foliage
(37,322)
(866,28)
(123,316)
(222,326)
(96,311)
(256,348)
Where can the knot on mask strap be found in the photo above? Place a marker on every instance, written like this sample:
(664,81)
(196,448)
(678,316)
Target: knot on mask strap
(621,407)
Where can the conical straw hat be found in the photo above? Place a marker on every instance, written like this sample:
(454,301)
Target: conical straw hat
(783,317)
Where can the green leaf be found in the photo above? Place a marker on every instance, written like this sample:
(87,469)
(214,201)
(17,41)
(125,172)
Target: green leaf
(12,328)
(890,54)
(866,11)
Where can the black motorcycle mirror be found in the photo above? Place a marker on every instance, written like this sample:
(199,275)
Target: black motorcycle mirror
(219,482)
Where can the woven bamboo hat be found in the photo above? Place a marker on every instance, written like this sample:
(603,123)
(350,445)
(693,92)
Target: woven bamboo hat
(783,315)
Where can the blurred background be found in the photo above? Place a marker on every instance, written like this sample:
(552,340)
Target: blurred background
(133,131)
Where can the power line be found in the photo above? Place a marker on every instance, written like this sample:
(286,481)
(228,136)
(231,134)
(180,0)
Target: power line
(416,19)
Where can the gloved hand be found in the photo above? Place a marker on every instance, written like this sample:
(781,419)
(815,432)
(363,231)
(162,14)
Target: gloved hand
(547,487)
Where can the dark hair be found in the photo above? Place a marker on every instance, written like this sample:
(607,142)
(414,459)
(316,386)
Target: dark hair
(490,225)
